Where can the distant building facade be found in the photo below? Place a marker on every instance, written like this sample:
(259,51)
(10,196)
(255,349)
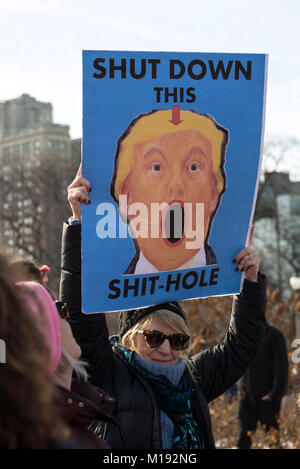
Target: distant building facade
(37,162)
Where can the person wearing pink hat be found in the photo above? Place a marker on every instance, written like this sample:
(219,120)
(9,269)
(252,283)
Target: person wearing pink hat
(77,401)
(29,418)
(41,304)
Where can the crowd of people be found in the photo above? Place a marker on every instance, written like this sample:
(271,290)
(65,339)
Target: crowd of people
(67,384)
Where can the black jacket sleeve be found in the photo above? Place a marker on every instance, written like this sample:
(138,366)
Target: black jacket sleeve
(221,366)
(90,331)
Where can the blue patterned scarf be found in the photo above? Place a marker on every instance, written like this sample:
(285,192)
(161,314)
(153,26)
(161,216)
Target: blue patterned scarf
(175,401)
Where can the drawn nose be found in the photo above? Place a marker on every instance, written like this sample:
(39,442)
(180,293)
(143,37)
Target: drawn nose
(175,185)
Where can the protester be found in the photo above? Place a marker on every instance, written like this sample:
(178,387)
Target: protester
(28,271)
(262,388)
(80,404)
(28,416)
(161,397)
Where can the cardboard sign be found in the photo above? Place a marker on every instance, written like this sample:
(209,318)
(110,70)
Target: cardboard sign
(172,146)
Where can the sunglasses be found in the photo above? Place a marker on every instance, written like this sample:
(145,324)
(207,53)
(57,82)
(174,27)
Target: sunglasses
(156,338)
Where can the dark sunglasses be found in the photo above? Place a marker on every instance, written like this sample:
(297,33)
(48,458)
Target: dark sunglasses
(156,338)
(62,309)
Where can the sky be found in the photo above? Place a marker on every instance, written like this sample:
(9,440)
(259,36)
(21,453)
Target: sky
(41,44)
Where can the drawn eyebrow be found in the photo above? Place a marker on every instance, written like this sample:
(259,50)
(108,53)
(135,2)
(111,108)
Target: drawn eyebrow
(197,148)
(155,150)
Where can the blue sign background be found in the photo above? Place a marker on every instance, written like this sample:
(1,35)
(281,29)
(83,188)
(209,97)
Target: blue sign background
(109,105)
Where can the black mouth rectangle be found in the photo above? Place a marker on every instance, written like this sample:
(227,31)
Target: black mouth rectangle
(174,223)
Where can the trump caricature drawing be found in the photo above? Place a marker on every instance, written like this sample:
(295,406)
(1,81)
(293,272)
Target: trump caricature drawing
(168,181)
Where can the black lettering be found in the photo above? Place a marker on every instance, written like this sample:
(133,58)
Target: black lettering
(220,68)
(154,63)
(239,67)
(173,282)
(113,67)
(191,95)
(153,281)
(144,285)
(214,276)
(169,94)
(99,67)
(180,74)
(202,282)
(191,69)
(143,69)
(128,287)
(158,91)
(181,91)
(112,286)
(185,283)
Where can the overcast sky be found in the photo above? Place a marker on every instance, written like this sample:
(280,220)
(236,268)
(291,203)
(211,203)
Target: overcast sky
(41,43)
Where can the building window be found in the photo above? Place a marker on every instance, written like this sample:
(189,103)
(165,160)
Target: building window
(8,233)
(6,155)
(26,150)
(16,151)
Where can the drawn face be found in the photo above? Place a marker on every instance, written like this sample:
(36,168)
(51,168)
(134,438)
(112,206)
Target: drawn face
(175,169)
(163,354)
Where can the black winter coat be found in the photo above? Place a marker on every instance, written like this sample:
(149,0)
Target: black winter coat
(268,372)
(137,408)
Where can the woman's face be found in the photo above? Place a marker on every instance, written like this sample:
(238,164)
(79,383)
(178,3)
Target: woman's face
(163,354)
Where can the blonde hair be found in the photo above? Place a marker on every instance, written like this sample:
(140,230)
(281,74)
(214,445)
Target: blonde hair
(167,318)
(156,124)
(66,362)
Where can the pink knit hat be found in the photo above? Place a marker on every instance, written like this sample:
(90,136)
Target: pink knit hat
(40,303)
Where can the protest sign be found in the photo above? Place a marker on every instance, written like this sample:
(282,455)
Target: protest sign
(171,145)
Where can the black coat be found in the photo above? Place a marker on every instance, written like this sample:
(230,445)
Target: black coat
(268,372)
(137,408)
(79,407)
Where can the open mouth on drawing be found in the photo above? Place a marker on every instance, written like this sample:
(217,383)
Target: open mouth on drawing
(174,223)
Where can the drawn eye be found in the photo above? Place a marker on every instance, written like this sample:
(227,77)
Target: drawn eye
(194,166)
(155,167)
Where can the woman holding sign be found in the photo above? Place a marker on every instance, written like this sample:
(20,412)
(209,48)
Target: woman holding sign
(161,395)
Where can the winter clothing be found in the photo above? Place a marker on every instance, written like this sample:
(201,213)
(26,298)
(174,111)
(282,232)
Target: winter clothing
(79,407)
(129,319)
(267,375)
(138,404)
(173,374)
